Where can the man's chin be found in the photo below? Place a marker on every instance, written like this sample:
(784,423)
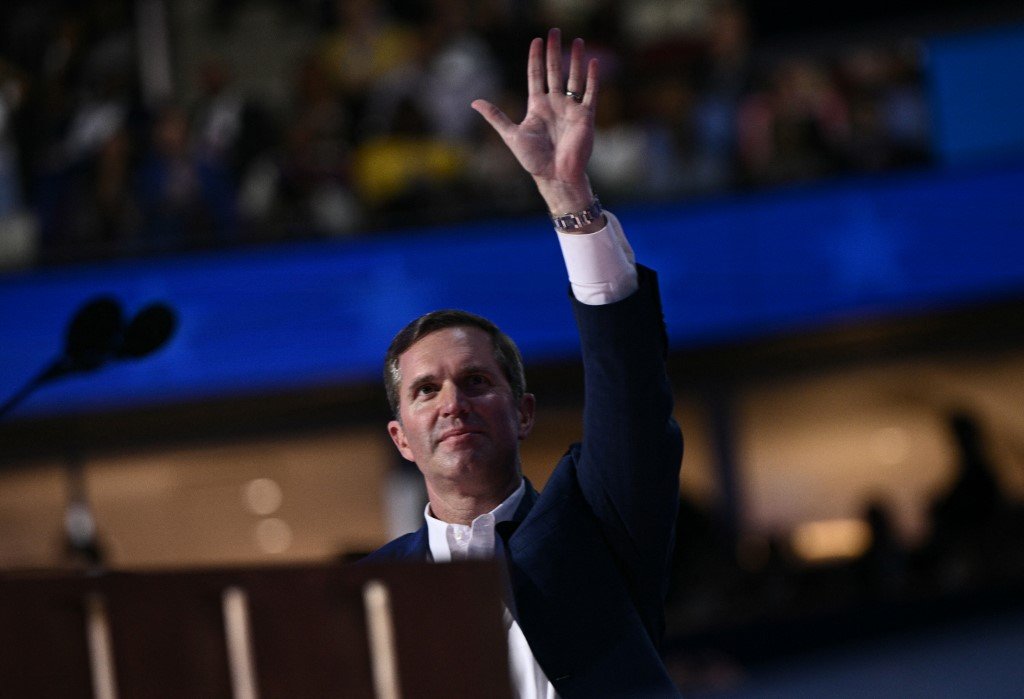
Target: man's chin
(462,459)
(466,464)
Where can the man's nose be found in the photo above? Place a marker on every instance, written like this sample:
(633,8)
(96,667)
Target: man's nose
(453,400)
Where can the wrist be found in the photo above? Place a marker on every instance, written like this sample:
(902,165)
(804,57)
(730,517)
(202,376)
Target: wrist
(563,197)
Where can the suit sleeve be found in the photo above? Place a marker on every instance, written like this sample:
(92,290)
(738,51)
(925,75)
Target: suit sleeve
(631,453)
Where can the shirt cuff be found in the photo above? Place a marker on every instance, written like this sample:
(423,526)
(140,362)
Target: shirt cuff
(601,265)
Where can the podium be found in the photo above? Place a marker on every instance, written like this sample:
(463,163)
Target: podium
(376,631)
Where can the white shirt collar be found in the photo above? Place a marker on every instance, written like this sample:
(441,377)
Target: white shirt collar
(477,537)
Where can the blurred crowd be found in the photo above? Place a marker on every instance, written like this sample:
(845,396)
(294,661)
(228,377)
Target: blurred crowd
(377,132)
(741,602)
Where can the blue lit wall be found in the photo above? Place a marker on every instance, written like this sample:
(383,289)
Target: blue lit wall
(976,83)
(303,315)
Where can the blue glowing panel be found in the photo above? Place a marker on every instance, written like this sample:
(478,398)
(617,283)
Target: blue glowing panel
(977,95)
(296,316)
(283,317)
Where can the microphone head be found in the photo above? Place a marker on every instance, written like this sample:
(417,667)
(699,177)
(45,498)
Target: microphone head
(148,331)
(94,333)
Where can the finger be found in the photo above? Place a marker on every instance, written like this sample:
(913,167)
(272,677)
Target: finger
(575,83)
(535,68)
(554,54)
(494,116)
(593,83)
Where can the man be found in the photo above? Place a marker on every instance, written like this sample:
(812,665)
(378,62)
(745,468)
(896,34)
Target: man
(587,559)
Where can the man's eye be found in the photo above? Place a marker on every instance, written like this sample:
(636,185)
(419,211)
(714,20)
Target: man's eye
(477,381)
(426,389)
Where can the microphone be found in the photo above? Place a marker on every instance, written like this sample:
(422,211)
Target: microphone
(97,334)
(92,337)
(148,331)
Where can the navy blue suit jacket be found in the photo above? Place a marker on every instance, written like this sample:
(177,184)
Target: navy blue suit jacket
(588,558)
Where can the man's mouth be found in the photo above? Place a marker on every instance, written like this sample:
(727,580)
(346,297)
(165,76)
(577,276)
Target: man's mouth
(457,435)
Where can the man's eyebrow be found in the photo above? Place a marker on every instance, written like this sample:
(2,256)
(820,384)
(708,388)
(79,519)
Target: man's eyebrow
(418,381)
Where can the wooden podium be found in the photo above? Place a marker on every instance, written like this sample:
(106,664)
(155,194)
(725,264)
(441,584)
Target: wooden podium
(385,631)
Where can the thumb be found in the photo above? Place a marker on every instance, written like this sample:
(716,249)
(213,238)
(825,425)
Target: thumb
(494,116)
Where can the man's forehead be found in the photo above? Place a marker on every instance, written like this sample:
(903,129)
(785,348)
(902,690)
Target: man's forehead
(460,344)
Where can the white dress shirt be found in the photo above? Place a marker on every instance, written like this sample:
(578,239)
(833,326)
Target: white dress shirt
(602,270)
(456,542)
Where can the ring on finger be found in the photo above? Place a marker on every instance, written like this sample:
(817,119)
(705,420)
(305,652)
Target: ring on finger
(576,96)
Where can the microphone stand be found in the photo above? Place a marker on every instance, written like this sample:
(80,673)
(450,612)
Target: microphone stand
(59,367)
(97,334)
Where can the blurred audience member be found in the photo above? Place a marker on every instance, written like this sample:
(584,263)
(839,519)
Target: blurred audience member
(794,129)
(408,172)
(86,110)
(722,78)
(366,44)
(187,199)
(450,67)
(888,113)
(883,568)
(619,161)
(239,135)
(966,518)
(315,171)
(17,227)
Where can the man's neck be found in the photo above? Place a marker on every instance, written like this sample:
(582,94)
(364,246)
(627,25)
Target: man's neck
(457,507)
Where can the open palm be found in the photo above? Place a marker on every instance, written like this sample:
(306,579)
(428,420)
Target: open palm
(556,137)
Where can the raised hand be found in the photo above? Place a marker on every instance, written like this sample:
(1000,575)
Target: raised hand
(555,139)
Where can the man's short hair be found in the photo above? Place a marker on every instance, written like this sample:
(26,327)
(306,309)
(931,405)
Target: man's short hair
(505,351)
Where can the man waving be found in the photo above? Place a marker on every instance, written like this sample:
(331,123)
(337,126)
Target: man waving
(587,558)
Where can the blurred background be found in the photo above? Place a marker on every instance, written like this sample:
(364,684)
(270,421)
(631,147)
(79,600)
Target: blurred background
(831,193)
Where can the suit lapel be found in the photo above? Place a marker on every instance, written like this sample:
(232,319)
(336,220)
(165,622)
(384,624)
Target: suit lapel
(417,546)
(507,528)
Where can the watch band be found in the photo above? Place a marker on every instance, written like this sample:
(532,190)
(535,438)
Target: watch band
(575,220)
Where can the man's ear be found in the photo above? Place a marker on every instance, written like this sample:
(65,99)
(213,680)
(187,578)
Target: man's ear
(527,407)
(398,437)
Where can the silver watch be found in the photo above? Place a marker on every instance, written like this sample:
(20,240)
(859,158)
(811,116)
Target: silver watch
(576,220)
